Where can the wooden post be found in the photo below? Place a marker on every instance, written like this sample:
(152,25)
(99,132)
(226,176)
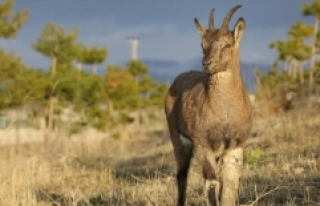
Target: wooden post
(230,174)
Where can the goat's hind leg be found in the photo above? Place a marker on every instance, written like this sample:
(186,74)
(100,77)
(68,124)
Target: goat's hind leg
(183,150)
(183,157)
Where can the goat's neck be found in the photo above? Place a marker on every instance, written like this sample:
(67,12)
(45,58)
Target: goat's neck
(225,83)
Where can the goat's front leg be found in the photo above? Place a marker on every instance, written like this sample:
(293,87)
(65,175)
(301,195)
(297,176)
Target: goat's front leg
(212,192)
(230,174)
(210,170)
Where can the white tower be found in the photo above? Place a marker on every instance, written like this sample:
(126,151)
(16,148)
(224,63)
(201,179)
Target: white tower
(134,41)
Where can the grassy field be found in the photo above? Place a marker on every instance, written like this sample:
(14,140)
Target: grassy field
(281,167)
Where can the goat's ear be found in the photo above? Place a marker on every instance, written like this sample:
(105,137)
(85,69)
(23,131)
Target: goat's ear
(238,31)
(201,29)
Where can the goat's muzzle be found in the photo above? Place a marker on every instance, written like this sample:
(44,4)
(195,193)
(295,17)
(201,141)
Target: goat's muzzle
(207,67)
(211,68)
(206,63)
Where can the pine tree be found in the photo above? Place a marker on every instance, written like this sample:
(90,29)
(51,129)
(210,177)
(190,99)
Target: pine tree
(54,42)
(10,68)
(312,9)
(120,88)
(299,33)
(11,23)
(94,56)
(137,69)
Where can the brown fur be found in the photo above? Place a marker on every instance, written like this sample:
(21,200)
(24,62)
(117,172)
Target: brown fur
(210,108)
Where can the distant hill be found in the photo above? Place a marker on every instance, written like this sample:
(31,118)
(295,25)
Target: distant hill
(166,71)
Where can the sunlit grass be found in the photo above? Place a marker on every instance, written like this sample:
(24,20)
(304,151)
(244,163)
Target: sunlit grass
(141,170)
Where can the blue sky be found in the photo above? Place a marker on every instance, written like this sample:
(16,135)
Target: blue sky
(165,27)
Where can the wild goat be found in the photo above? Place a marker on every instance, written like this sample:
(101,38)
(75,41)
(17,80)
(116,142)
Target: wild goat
(209,114)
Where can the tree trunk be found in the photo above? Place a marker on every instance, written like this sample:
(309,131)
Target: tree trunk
(79,66)
(50,118)
(110,108)
(312,60)
(51,100)
(94,68)
(53,65)
(286,66)
(147,95)
(231,170)
(294,69)
(290,68)
(301,76)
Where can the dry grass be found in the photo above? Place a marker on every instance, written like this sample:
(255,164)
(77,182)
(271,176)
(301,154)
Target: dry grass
(141,170)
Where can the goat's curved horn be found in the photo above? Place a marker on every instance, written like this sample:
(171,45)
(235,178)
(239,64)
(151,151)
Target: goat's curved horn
(211,20)
(227,19)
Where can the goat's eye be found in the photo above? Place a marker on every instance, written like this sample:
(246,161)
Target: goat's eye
(227,46)
(204,50)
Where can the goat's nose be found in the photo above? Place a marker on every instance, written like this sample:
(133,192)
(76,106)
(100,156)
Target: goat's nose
(206,63)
